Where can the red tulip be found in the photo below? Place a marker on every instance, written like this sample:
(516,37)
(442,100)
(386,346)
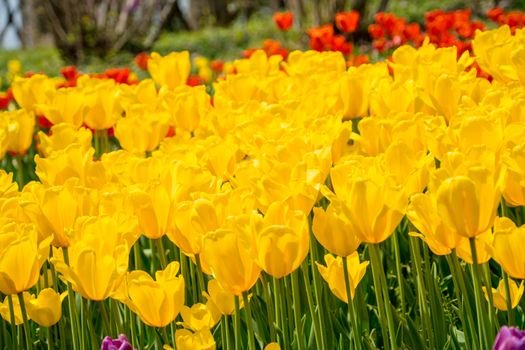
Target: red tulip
(284,20)
(347,21)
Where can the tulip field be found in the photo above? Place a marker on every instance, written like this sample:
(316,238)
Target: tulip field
(318,199)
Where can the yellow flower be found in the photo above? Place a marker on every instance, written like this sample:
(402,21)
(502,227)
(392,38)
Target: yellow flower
(55,209)
(201,340)
(422,213)
(65,106)
(282,239)
(46,309)
(21,257)
(63,135)
(171,70)
(142,129)
(334,232)
(72,162)
(156,302)
(272,346)
(220,299)
(19,130)
(333,274)
(506,247)
(228,253)
(5,311)
(365,194)
(478,198)
(499,295)
(199,317)
(514,191)
(98,256)
(14,67)
(188,106)
(103,102)
(33,91)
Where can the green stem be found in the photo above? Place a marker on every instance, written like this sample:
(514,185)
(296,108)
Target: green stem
(27,329)
(200,276)
(480,312)
(237,320)
(161,253)
(13,321)
(374,260)
(317,330)
(399,272)
(421,291)
(317,288)
(269,307)
(297,310)
(510,312)
(352,315)
(249,323)
(377,268)
(492,319)
(72,306)
(105,317)
(20,170)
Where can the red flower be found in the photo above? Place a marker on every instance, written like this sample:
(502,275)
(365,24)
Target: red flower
(321,37)
(70,73)
(283,20)
(347,21)
(217,66)
(496,14)
(141,60)
(120,75)
(340,44)
(357,60)
(376,31)
(44,122)
(194,80)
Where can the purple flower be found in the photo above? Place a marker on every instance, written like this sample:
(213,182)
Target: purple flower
(510,338)
(121,343)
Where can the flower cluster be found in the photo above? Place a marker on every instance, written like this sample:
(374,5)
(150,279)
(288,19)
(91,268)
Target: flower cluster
(302,174)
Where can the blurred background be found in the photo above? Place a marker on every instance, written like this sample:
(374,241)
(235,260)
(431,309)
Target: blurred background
(45,35)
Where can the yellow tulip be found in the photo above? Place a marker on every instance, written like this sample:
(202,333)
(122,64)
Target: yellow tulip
(65,106)
(220,299)
(21,257)
(514,191)
(499,295)
(71,162)
(365,195)
(46,309)
(171,70)
(153,207)
(199,317)
(188,106)
(98,256)
(506,247)
(20,127)
(478,198)
(142,129)
(355,90)
(103,102)
(334,232)
(33,91)
(55,209)
(333,274)
(5,311)
(228,253)
(63,135)
(422,213)
(201,340)
(157,302)
(272,346)
(282,239)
